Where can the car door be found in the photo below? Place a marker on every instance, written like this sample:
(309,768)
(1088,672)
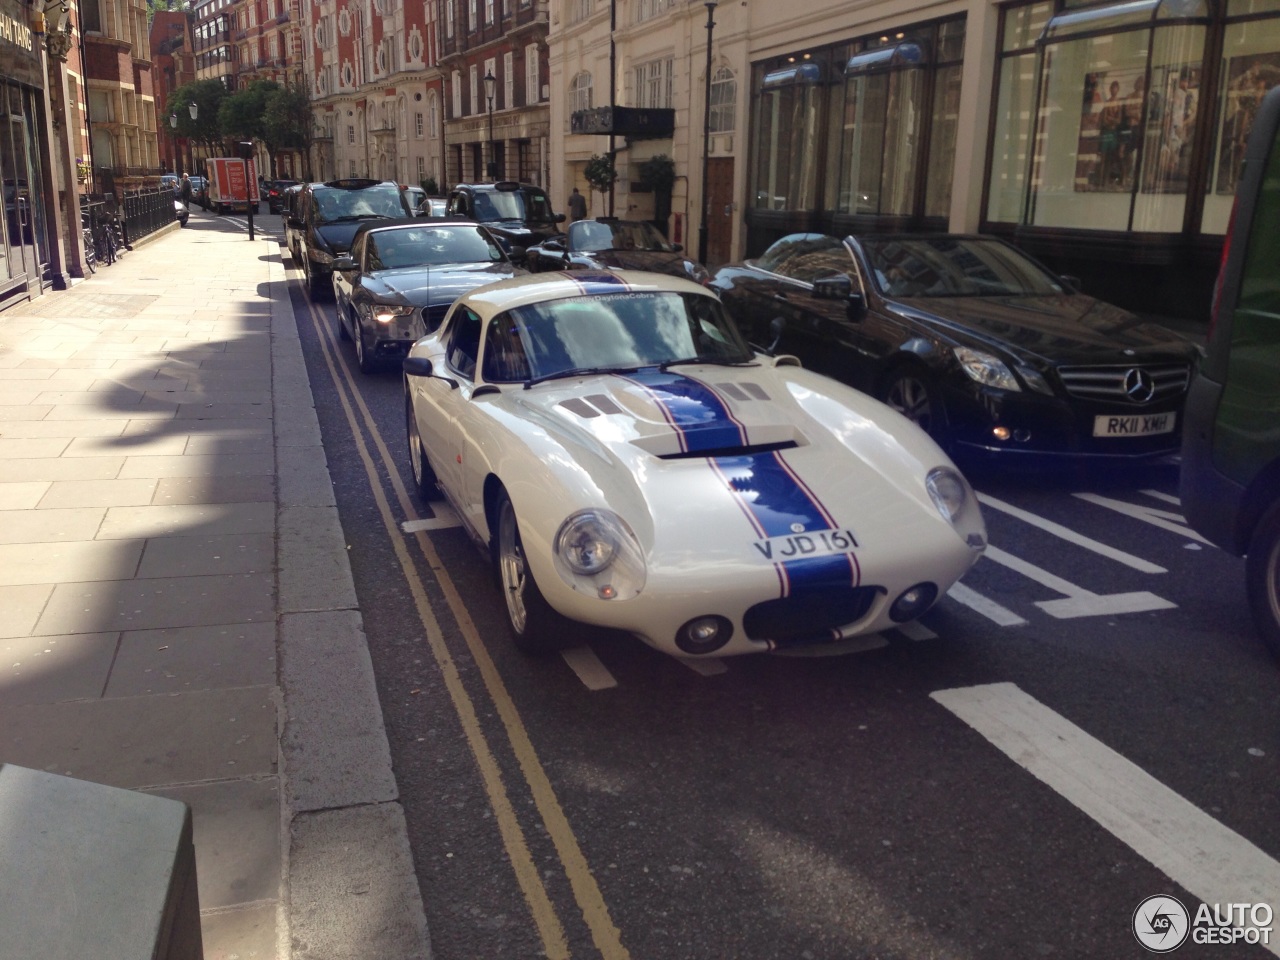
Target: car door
(346,284)
(447,395)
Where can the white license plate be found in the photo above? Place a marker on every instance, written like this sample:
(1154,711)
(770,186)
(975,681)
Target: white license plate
(1139,425)
(816,543)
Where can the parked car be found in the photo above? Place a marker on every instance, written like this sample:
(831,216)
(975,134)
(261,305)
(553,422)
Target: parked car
(627,461)
(971,339)
(432,207)
(1230,483)
(199,191)
(413,196)
(612,244)
(180,212)
(402,276)
(171,181)
(327,216)
(517,213)
(274,191)
(289,211)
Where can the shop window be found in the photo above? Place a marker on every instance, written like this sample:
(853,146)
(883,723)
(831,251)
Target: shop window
(1117,116)
(786,133)
(1015,98)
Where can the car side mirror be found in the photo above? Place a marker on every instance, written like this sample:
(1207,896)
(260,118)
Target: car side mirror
(677,248)
(1071,283)
(296,223)
(555,246)
(840,287)
(559,218)
(776,327)
(518,255)
(344,263)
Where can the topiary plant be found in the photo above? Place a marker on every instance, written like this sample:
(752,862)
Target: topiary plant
(658,173)
(430,186)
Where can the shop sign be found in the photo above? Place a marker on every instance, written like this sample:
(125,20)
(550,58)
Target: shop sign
(18,44)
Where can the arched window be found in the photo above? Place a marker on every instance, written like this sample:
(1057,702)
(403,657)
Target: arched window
(580,92)
(724,100)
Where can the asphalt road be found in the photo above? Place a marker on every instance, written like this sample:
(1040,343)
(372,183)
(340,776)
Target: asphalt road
(1088,723)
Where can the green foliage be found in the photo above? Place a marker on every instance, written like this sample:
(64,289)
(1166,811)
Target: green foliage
(658,173)
(207,95)
(430,186)
(600,172)
(286,120)
(242,113)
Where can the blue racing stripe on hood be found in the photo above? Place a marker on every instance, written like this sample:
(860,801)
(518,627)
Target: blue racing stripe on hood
(779,504)
(694,410)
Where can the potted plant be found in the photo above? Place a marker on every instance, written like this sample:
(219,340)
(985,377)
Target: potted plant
(600,172)
(658,174)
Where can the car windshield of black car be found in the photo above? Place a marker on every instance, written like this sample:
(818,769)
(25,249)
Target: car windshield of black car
(955,267)
(610,332)
(333,202)
(600,235)
(526,205)
(399,247)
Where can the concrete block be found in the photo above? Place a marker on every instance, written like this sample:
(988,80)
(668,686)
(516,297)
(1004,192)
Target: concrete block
(94,871)
(315,572)
(180,659)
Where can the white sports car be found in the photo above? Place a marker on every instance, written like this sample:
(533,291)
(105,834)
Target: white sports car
(629,461)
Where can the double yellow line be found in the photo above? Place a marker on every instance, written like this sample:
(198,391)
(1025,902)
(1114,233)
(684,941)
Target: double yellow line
(595,913)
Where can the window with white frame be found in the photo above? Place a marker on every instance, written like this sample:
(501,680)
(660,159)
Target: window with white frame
(489,11)
(433,114)
(448,18)
(724,97)
(422,169)
(351,133)
(457,93)
(648,9)
(532,91)
(580,92)
(419,123)
(473,16)
(475,89)
(508,79)
(578,10)
(653,82)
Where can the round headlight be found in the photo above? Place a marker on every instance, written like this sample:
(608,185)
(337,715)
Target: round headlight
(949,492)
(587,542)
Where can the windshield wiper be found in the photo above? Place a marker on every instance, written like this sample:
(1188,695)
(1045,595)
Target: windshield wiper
(577,372)
(710,361)
(358,216)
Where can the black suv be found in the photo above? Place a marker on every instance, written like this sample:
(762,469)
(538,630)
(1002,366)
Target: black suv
(516,213)
(325,219)
(1230,488)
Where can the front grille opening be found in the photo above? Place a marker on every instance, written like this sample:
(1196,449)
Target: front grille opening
(1107,383)
(808,617)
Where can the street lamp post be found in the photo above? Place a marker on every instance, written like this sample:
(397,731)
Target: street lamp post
(173,125)
(194,109)
(706,140)
(490,86)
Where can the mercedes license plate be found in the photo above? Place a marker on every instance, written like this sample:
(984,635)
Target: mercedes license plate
(1139,425)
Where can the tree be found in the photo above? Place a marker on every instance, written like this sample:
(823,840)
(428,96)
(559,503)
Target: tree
(600,172)
(242,115)
(207,95)
(288,123)
(658,174)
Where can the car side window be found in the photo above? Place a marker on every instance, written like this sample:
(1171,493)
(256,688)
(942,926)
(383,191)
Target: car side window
(464,343)
(505,360)
(820,258)
(358,249)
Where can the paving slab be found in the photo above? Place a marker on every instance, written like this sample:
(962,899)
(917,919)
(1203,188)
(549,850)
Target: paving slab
(192,490)
(202,556)
(97,493)
(155,444)
(199,465)
(35,526)
(21,606)
(22,496)
(187,520)
(69,561)
(137,742)
(53,669)
(179,659)
(236,828)
(70,468)
(315,572)
(248,933)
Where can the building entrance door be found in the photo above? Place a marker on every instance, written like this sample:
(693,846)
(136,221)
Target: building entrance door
(23,214)
(719,210)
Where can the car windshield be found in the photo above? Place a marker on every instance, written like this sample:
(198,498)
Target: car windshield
(527,205)
(954,267)
(597,235)
(335,203)
(622,331)
(430,246)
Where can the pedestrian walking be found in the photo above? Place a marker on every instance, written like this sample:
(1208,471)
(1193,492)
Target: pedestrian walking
(577,205)
(186,191)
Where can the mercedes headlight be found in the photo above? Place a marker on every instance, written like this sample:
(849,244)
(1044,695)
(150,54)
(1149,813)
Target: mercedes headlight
(988,370)
(387,312)
(949,492)
(596,552)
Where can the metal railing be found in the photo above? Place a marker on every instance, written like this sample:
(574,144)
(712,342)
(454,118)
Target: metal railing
(115,224)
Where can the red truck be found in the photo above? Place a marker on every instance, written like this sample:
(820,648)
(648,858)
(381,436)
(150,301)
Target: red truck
(233,184)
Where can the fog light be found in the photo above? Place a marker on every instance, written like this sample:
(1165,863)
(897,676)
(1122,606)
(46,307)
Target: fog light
(704,634)
(1022,436)
(1000,433)
(606,592)
(912,602)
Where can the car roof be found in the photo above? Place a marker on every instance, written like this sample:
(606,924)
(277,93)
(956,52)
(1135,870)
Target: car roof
(356,183)
(431,222)
(536,288)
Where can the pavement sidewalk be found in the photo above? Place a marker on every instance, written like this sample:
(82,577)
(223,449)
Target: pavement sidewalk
(177,614)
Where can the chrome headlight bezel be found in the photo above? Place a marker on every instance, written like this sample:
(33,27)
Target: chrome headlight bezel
(986,369)
(597,553)
(949,492)
(390,312)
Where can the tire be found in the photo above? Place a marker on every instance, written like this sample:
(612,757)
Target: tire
(909,390)
(535,627)
(1262,578)
(424,478)
(314,287)
(366,360)
(90,254)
